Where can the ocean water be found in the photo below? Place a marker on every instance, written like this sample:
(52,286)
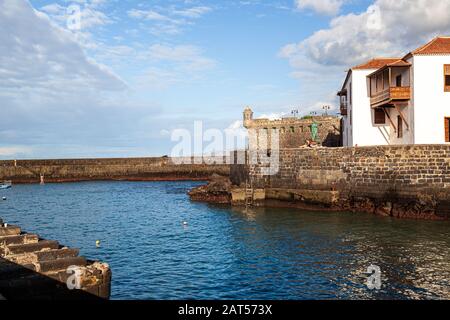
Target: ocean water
(225,253)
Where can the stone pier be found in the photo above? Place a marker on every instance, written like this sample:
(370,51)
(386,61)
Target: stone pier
(32,268)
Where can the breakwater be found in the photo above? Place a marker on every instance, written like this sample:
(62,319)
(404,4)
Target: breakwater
(33,268)
(131,169)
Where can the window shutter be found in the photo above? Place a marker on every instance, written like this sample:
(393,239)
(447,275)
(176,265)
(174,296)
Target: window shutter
(380,117)
(447,77)
(399,127)
(447,129)
(447,69)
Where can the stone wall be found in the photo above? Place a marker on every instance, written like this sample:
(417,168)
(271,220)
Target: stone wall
(390,180)
(295,132)
(139,169)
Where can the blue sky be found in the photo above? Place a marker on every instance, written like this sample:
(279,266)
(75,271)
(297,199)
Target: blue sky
(136,70)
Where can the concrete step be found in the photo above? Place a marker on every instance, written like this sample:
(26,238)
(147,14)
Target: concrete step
(10,231)
(57,254)
(61,264)
(45,255)
(32,247)
(20,239)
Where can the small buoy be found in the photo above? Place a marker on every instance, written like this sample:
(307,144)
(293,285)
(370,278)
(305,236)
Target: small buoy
(4,198)
(97,243)
(185,223)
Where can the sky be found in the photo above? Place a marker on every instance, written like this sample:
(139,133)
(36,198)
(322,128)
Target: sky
(117,83)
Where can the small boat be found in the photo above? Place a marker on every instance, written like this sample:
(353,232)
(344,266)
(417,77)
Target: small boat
(5,185)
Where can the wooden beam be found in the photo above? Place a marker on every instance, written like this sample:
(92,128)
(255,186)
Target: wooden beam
(401,115)
(390,77)
(390,120)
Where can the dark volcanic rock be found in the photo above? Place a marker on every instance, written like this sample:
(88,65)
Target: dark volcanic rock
(218,190)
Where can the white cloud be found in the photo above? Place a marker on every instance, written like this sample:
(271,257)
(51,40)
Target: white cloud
(169,20)
(36,55)
(90,16)
(188,57)
(194,12)
(19,151)
(327,7)
(173,65)
(147,15)
(386,28)
(50,91)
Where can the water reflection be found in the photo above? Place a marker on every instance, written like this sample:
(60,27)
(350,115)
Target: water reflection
(414,256)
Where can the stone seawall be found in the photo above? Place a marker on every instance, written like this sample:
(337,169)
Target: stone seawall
(134,169)
(399,181)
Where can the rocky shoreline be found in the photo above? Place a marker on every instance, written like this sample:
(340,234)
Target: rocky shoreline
(218,190)
(221,191)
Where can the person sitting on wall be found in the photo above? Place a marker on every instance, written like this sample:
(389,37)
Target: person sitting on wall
(311,144)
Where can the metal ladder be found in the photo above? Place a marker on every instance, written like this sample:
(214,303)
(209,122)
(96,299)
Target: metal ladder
(249,194)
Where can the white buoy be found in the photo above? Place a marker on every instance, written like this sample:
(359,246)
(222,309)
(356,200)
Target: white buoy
(185,223)
(4,198)
(97,243)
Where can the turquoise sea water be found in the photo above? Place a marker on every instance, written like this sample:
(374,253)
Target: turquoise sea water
(225,253)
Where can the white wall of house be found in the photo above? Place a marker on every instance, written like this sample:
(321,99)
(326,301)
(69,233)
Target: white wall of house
(347,136)
(364,131)
(431,103)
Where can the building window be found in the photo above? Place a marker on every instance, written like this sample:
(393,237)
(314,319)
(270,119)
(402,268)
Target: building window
(379,116)
(447,78)
(386,82)
(399,127)
(447,129)
(292,129)
(398,81)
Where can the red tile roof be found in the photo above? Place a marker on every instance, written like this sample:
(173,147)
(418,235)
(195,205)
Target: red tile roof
(396,63)
(399,63)
(439,45)
(376,63)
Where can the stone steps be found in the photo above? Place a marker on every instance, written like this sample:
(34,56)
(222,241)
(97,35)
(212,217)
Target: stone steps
(19,239)
(33,268)
(31,247)
(10,231)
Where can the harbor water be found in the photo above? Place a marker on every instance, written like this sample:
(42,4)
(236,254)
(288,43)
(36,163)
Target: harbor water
(160,245)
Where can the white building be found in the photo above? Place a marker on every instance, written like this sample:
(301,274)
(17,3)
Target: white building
(399,100)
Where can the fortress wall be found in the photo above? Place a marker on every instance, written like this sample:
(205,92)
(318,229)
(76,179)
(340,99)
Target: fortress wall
(417,177)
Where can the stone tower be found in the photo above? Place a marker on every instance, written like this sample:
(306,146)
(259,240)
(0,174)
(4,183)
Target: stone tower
(248,117)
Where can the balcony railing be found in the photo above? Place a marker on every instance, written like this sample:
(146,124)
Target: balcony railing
(389,96)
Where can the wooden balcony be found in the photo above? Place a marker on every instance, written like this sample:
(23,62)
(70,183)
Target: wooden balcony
(390,96)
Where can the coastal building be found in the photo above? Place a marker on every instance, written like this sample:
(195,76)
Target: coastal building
(295,132)
(397,101)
